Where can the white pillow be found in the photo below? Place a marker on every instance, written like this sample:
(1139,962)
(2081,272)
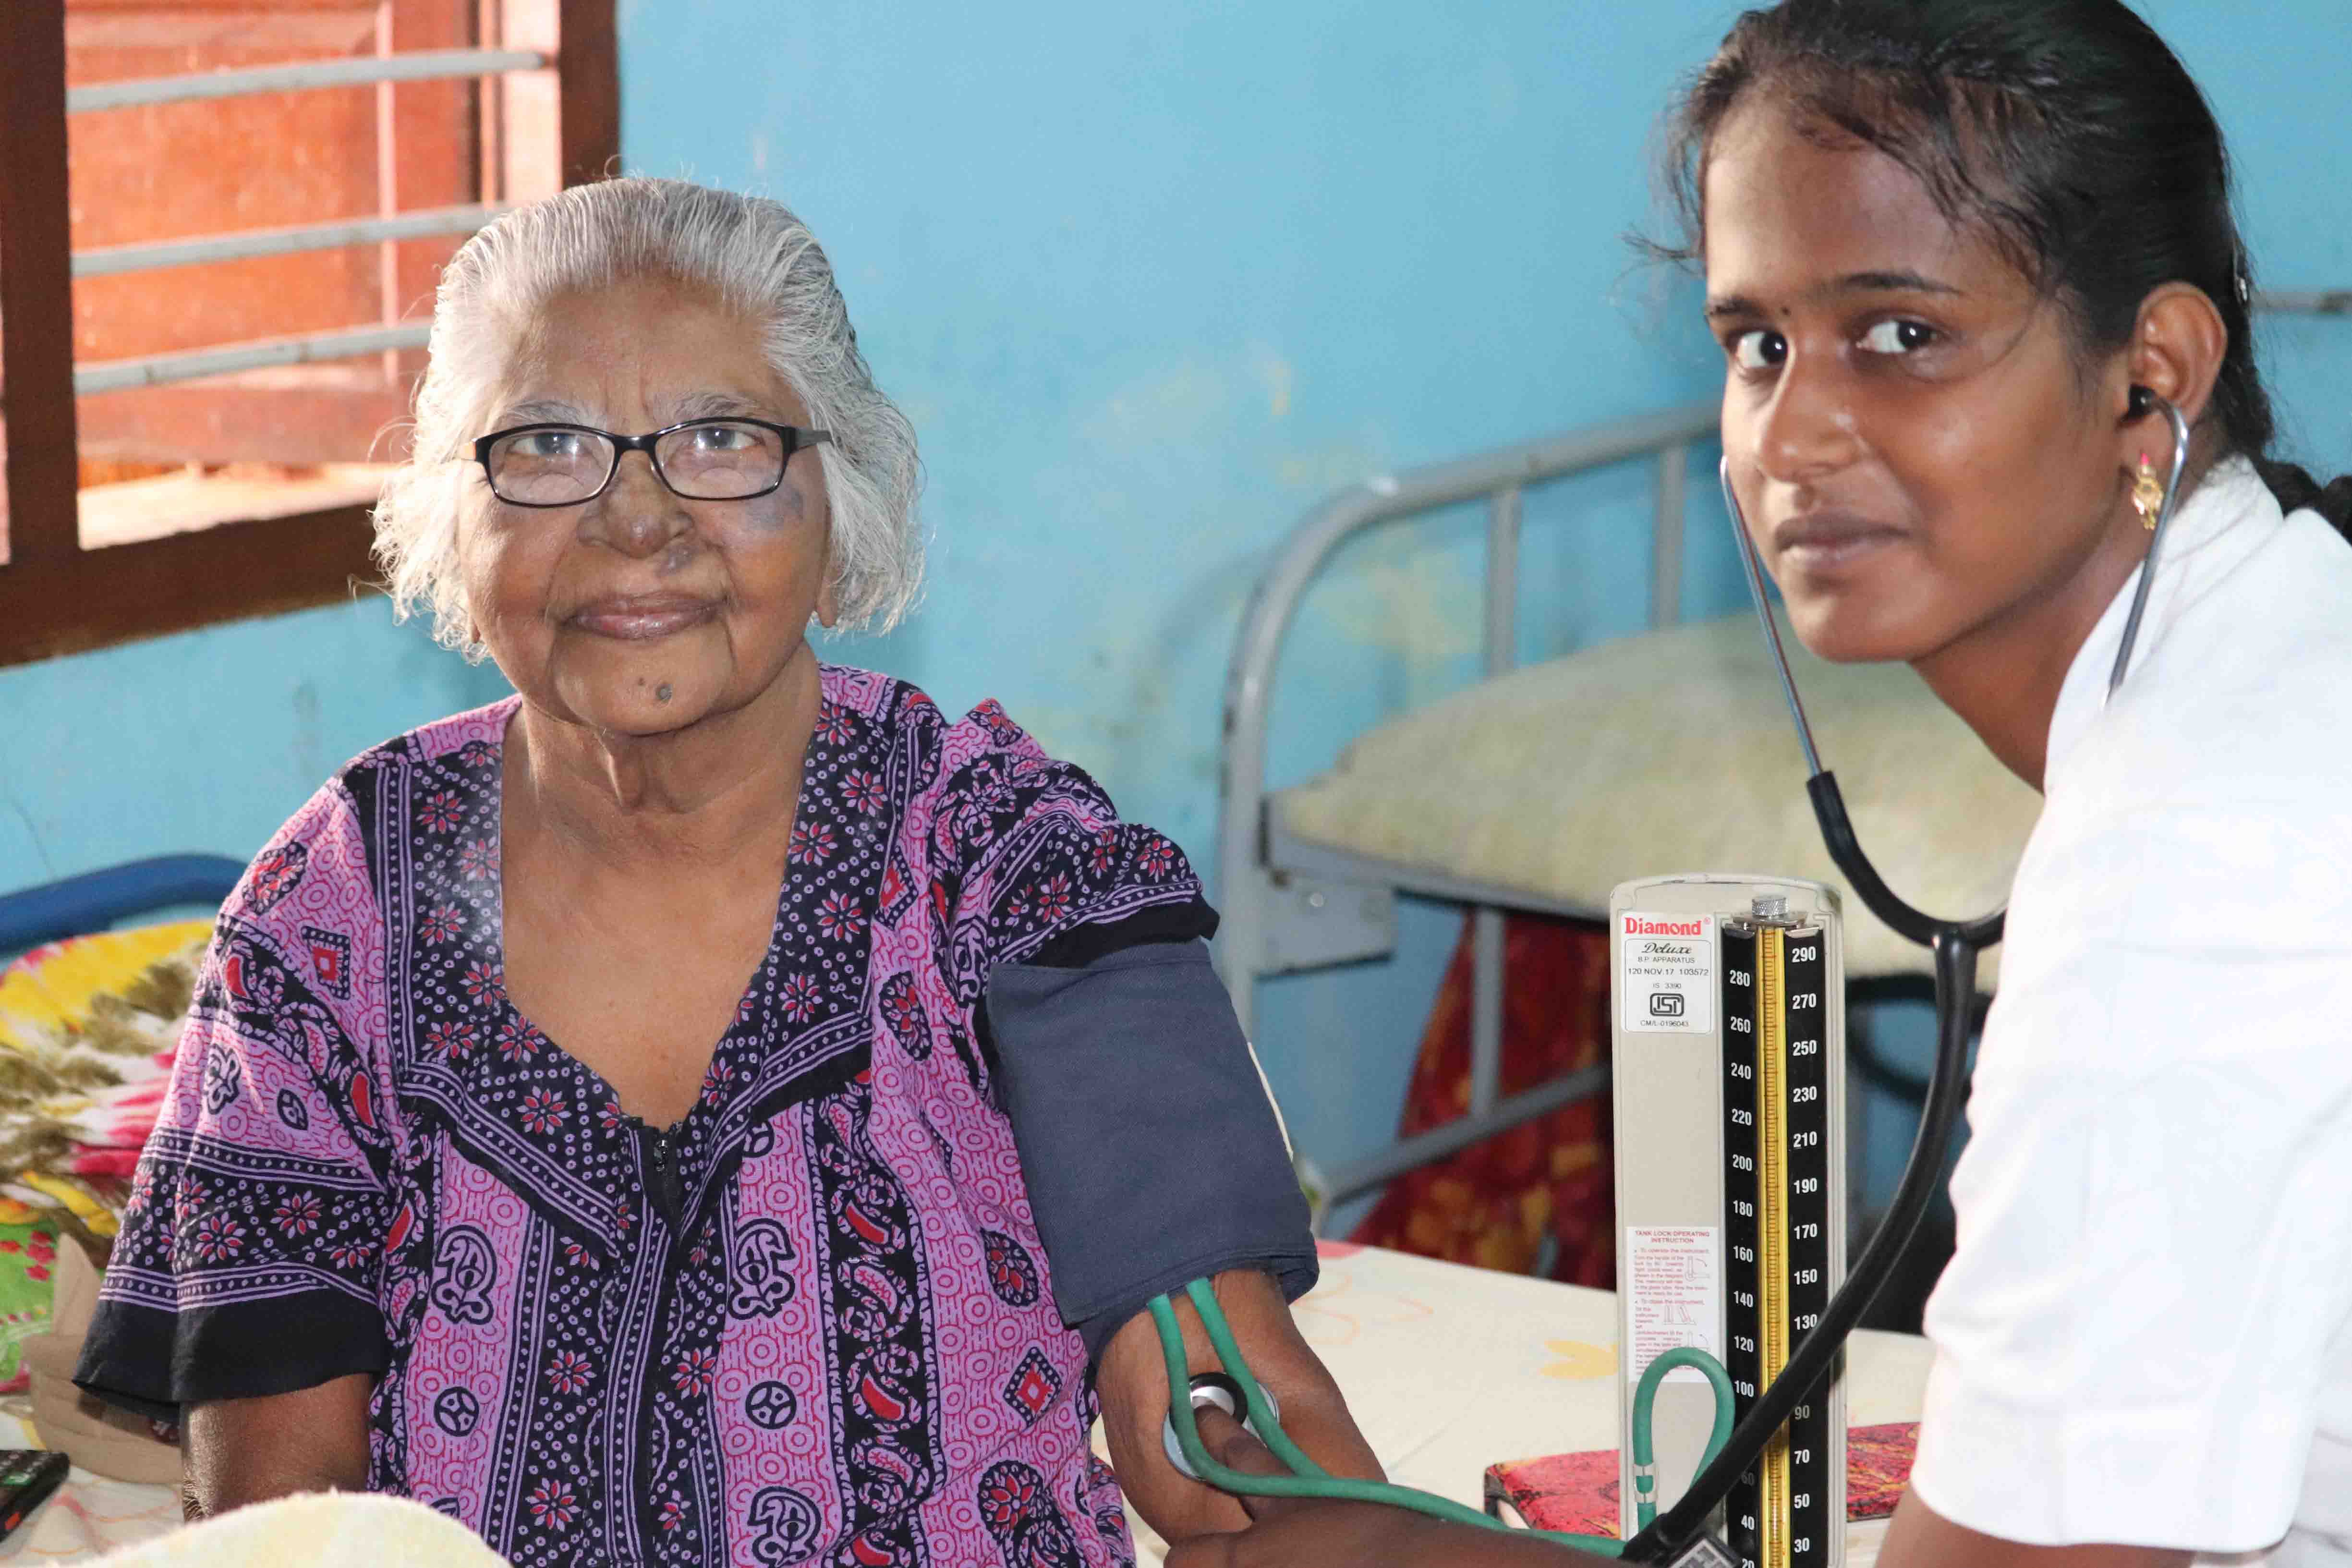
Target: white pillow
(1672,752)
(319,1530)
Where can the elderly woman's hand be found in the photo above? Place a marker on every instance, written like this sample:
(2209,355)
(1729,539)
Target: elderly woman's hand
(1133,1383)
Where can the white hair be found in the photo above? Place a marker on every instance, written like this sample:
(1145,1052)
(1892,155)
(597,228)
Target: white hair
(759,259)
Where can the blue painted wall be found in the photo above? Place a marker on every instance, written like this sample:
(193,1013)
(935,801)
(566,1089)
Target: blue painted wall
(207,740)
(1150,281)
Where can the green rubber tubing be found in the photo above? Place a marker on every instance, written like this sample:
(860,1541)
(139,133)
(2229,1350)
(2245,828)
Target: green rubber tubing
(1308,1479)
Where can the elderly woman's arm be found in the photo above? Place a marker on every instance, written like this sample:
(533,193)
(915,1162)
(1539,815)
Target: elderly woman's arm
(250,1450)
(240,1295)
(1152,1155)
(1132,1380)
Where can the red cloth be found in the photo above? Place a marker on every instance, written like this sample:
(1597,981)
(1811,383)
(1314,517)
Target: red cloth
(1492,1204)
(1578,1492)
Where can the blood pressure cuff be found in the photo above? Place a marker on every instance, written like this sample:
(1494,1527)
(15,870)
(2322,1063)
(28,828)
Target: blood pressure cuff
(1147,1140)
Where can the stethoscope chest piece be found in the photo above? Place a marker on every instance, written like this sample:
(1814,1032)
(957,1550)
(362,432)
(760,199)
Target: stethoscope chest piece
(1209,1388)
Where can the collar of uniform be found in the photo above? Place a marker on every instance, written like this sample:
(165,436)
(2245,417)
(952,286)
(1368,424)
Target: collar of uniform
(2226,516)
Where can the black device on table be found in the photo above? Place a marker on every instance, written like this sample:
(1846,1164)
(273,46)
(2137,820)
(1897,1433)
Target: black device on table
(27,1477)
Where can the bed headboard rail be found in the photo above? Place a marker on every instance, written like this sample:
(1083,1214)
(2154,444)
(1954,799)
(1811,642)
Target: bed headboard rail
(94,901)
(1262,932)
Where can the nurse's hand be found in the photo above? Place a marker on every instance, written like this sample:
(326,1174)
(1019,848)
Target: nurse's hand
(1133,1382)
(1135,1388)
(1296,1533)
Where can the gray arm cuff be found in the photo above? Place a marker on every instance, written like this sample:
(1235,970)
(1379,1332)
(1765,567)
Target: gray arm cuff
(1151,1153)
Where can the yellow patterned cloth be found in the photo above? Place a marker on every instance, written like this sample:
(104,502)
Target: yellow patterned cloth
(88,1029)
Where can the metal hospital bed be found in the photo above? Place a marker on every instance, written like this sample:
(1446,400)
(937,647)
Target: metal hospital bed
(1293,901)
(76,906)
(1288,904)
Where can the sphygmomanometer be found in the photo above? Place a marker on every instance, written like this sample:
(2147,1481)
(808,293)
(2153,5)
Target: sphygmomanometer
(1735,1300)
(1111,1072)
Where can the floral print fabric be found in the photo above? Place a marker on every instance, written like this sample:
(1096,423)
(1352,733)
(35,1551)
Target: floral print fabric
(812,1322)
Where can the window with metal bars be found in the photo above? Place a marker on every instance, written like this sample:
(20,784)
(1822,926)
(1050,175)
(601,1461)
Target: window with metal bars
(220,222)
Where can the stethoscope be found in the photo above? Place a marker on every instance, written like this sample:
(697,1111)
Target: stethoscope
(1668,1536)
(1956,945)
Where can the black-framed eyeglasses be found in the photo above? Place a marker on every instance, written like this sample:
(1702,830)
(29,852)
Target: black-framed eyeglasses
(702,459)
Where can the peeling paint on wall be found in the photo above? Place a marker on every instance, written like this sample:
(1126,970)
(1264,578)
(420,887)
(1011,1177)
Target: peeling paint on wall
(1277,376)
(1323,470)
(21,846)
(1176,405)
(1419,608)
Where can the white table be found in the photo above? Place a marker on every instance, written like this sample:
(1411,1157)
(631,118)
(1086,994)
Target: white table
(1447,1369)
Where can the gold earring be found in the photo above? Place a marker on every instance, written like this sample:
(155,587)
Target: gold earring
(2147,494)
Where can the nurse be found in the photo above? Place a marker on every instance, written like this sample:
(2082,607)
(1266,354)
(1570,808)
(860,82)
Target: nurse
(1958,253)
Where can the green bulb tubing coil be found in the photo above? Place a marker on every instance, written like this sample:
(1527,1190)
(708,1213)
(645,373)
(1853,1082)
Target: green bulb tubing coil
(1308,1479)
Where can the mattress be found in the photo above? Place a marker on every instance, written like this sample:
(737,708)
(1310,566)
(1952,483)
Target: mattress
(1665,752)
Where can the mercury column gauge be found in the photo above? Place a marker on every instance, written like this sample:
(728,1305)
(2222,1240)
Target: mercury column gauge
(1727,1038)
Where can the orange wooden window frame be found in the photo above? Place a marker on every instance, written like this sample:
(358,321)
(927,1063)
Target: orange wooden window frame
(57,597)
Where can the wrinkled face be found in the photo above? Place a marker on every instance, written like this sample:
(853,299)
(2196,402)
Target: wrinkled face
(1920,454)
(639,613)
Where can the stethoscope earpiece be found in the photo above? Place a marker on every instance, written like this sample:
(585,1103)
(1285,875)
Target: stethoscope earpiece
(2174,487)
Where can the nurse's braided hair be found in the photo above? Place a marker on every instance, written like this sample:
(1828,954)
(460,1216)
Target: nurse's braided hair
(2066,127)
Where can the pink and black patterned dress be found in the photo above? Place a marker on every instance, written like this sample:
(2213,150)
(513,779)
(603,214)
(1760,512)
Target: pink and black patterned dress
(809,1323)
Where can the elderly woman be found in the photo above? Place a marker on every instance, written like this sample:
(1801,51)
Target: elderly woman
(594,1118)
